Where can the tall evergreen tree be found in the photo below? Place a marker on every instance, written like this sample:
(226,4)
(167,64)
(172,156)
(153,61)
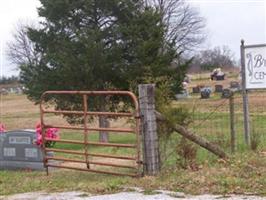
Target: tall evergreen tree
(96,45)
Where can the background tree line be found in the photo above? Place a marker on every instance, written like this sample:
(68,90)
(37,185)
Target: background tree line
(9,80)
(209,59)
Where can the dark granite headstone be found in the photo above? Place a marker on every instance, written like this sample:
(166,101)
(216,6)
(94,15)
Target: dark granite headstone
(196,89)
(205,92)
(218,88)
(19,151)
(235,85)
(227,93)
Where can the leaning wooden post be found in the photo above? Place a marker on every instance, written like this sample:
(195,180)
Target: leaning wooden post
(151,160)
(232,122)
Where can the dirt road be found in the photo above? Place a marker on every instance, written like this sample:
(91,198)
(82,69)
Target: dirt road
(159,195)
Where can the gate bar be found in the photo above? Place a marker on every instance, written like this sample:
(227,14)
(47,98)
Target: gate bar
(85,107)
(123,130)
(91,162)
(93,170)
(118,114)
(92,143)
(94,93)
(90,154)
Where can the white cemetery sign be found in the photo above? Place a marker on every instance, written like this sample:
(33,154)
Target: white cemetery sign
(255,66)
(253,69)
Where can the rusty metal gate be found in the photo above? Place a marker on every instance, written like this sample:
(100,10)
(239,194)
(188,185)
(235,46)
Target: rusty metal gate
(117,164)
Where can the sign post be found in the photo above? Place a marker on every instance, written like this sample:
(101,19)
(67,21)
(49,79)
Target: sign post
(253,71)
(244,95)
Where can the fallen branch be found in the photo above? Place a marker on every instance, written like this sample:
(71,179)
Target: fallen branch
(195,138)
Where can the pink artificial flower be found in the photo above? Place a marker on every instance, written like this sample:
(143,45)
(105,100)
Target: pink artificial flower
(39,134)
(50,133)
(2,128)
(39,139)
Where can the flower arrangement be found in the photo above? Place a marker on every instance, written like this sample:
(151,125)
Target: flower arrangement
(2,128)
(50,133)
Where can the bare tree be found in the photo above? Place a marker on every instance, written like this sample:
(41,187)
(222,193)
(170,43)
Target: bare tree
(213,58)
(184,26)
(20,50)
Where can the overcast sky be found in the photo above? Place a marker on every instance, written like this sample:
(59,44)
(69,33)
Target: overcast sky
(228,21)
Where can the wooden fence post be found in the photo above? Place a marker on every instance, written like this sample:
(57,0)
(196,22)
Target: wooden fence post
(232,123)
(151,158)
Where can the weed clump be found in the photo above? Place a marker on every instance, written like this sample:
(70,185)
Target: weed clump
(172,145)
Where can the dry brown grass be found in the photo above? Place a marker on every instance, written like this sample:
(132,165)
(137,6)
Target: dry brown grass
(18,112)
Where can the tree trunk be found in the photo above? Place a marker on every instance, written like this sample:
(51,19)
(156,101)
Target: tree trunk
(195,138)
(103,122)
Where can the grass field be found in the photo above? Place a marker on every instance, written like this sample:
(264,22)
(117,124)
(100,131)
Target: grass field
(244,172)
